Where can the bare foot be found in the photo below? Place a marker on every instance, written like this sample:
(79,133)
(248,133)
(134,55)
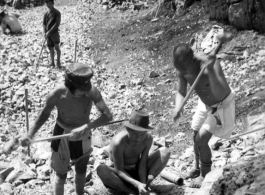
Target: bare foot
(52,65)
(58,65)
(197,183)
(193,173)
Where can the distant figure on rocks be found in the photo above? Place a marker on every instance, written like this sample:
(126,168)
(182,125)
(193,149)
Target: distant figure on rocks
(73,100)
(215,114)
(10,21)
(51,23)
(133,166)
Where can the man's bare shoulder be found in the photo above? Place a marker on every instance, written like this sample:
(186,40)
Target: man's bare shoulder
(59,90)
(119,139)
(94,93)
(149,139)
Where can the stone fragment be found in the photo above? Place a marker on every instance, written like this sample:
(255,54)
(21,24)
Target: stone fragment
(21,172)
(6,189)
(153,74)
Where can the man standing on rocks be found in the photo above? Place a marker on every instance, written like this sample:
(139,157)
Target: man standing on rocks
(73,101)
(10,21)
(215,114)
(129,152)
(51,23)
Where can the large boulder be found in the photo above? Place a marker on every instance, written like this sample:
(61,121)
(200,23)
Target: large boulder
(242,14)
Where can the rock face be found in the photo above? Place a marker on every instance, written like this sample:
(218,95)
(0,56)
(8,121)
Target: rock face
(242,14)
(243,177)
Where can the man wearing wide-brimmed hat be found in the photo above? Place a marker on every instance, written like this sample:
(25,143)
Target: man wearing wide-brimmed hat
(73,101)
(129,152)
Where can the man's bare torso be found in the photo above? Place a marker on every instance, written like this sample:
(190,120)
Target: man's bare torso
(212,88)
(131,151)
(72,111)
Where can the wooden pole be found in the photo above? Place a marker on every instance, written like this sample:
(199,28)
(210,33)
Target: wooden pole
(67,135)
(75,50)
(27,115)
(37,63)
(237,136)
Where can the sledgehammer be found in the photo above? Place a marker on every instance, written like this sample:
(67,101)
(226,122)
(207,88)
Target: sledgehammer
(14,142)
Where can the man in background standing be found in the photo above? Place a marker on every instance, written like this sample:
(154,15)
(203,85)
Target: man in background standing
(51,23)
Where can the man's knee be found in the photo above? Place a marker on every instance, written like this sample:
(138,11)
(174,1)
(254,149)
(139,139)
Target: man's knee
(102,170)
(201,141)
(57,47)
(50,48)
(60,178)
(165,152)
(81,165)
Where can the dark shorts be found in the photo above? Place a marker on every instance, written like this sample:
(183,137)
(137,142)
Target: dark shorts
(53,39)
(64,151)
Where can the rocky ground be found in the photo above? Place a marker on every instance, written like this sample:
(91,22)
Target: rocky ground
(131,57)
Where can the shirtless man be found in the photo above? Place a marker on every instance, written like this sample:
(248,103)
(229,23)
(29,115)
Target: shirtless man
(73,101)
(51,23)
(129,151)
(10,21)
(215,114)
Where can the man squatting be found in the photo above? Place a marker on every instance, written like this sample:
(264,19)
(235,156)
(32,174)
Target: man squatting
(132,165)
(73,101)
(215,114)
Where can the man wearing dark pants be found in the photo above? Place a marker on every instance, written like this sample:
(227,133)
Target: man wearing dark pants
(51,22)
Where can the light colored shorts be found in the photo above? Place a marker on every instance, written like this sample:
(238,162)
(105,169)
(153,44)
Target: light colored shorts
(218,119)
(64,150)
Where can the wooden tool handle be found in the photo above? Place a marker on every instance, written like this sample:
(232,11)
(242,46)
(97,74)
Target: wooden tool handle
(51,138)
(237,136)
(27,115)
(75,50)
(37,63)
(192,87)
(68,135)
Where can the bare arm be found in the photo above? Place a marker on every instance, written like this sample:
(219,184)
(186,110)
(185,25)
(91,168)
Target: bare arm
(142,171)
(45,113)
(118,159)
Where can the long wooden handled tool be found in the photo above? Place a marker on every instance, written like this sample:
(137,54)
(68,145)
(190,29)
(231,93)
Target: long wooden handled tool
(27,114)
(75,50)
(67,135)
(14,142)
(216,145)
(43,43)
